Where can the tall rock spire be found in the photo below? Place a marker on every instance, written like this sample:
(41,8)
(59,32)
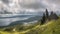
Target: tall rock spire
(47,14)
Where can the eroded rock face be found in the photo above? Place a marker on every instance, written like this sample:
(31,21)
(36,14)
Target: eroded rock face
(47,17)
(53,16)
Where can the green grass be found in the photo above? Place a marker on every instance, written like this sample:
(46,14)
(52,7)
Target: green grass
(52,27)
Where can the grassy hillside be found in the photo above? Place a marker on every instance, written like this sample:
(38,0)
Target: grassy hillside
(52,27)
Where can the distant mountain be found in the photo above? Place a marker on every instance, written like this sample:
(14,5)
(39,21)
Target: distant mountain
(32,13)
(22,12)
(5,12)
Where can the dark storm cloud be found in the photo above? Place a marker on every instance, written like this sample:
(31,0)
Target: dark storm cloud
(42,4)
(5,1)
(54,1)
(54,4)
(35,5)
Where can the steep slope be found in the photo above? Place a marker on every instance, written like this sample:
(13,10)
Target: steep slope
(52,27)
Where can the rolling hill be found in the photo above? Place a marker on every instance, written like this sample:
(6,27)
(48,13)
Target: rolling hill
(51,27)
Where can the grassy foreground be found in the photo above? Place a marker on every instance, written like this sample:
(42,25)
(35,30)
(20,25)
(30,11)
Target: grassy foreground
(52,27)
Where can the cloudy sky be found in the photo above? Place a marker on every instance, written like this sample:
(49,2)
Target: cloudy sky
(18,5)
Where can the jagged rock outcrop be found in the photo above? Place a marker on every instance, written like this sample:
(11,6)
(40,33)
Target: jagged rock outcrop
(43,18)
(53,16)
(47,17)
